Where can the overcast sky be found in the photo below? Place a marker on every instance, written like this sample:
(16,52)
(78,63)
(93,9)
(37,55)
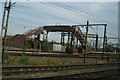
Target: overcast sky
(25,16)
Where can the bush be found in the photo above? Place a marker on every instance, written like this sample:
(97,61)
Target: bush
(6,58)
(24,60)
(30,43)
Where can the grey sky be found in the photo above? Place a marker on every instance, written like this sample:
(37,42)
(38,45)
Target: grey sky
(25,16)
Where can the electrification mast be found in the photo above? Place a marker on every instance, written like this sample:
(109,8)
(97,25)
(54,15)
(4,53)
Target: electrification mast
(4,29)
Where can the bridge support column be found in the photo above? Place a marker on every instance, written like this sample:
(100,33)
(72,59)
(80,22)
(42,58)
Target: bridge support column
(46,46)
(73,39)
(62,38)
(71,42)
(68,42)
(46,37)
(96,45)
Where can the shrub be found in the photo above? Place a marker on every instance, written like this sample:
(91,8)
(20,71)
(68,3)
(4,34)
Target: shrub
(24,60)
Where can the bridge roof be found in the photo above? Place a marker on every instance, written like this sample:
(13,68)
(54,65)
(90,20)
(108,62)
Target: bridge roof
(59,28)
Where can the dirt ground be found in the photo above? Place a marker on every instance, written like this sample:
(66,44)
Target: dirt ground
(39,60)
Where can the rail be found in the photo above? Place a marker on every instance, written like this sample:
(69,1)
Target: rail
(7,70)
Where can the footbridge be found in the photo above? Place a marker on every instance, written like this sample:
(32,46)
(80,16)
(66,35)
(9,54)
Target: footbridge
(73,33)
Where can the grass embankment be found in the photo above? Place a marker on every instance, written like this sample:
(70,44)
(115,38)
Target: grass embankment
(38,60)
(27,60)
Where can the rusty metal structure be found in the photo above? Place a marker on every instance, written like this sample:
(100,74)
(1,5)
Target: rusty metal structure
(74,33)
(75,37)
(21,40)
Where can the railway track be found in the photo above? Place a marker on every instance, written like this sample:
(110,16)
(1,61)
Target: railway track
(85,76)
(60,55)
(8,70)
(49,55)
(93,53)
(19,50)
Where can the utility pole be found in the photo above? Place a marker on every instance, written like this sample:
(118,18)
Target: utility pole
(86,42)
(105,25)
(107,50)
(4,29)
(104,42)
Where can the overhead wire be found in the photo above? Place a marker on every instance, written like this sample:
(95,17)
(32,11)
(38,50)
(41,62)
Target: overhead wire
(107,9)
(29,11)
(59,18)
(96,17)
(65,9)
(93,29)
(49,15)
(54,16)
(78,12)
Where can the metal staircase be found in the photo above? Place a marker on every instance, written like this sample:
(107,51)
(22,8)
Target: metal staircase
(80,36)
(76,31)
(33,32)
